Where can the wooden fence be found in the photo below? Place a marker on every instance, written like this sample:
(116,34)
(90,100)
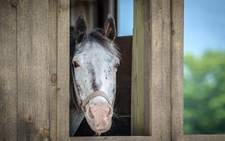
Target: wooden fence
(34,71)
(28,59)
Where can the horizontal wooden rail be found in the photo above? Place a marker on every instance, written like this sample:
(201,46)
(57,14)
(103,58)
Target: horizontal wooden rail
(113,138)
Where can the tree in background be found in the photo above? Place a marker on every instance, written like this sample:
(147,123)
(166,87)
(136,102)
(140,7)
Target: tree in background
(204,93)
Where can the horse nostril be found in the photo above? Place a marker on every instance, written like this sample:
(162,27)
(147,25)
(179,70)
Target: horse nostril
(97,123)
(90,114)
(110,113)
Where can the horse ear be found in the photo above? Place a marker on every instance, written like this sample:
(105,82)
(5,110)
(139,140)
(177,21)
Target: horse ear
(80,29)
(110,28)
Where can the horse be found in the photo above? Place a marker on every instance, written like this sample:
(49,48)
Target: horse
(94,60)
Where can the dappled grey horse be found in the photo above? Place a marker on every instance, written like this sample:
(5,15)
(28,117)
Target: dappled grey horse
(94,60)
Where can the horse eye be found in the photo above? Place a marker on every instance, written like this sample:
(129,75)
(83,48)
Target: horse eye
(75,64)
(116,65)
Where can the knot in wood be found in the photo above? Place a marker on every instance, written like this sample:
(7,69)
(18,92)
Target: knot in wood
(46,132)
(173,32)
(29,119)
(53,78)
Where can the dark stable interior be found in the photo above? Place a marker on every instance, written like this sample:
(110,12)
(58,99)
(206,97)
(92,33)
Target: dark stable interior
(120,127)
(96,12)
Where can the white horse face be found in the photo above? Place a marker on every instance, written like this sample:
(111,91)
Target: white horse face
(96,72)
(96,61)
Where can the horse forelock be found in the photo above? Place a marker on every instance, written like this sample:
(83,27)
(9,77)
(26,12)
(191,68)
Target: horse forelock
(97,36)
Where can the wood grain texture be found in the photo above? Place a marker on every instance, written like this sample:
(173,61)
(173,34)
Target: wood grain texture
(8,72)
(52,34)
(33,69)
(137,92)
(63,70)
(160,33)
(34,46)
(151,69)
(115,138)
(147,68)
(177,69)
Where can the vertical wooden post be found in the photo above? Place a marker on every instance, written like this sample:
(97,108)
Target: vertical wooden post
(160,73)
(8,72)
(137,99)
(52,31)
(151,111)
(177,69)
(35,45)
(63,70)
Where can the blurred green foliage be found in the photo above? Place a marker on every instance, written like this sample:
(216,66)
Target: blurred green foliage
(204,93)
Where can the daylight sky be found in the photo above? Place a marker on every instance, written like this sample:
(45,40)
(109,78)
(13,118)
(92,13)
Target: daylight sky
(125,17)
(204,24)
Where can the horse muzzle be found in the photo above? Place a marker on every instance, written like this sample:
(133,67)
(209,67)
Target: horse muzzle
(99,117)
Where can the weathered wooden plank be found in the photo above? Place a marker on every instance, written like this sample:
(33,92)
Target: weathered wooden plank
(113,138)
(203,138)
(151,69)
(147,68)
(63,70)
(137,98)
(8,72)
(33,69)
(177,69)
(160,33)
(166,70)
(52,31)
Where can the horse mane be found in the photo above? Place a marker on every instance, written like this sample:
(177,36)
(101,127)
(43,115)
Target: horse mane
(97,36)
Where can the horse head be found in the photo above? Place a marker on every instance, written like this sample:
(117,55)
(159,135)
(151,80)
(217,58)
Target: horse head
(94,66)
